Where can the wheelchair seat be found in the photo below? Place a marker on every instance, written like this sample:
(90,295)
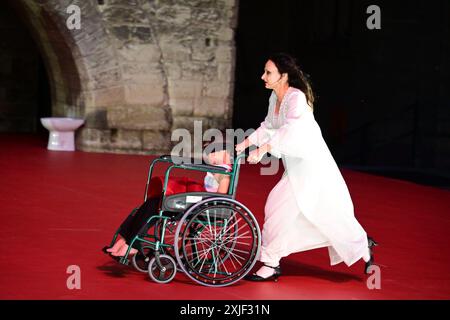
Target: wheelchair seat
(182,201)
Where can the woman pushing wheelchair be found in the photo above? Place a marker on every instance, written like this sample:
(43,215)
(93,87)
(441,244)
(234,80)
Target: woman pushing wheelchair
(310,207)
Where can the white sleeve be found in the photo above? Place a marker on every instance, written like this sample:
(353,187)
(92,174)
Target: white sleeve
(262,134)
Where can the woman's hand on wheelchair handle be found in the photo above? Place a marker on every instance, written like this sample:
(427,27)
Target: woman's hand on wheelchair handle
(240,147)
(256,155)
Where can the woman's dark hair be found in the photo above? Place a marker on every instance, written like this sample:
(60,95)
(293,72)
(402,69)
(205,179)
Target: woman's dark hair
(285,63)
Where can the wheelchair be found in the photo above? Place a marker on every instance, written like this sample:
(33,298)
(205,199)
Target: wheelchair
(211,237)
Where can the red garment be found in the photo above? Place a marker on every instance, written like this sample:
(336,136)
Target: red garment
(174,186)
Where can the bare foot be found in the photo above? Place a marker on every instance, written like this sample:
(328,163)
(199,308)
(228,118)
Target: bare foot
(122,250)
(119,243)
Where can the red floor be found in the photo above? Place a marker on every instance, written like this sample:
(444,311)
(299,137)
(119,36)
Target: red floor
(60,208)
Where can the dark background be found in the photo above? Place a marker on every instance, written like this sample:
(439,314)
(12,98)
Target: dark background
(383,100)
(23,78)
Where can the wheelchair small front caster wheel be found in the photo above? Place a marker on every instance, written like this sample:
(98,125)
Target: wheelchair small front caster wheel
(162,272)
(141,260)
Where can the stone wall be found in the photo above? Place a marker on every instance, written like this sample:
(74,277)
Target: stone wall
(137,69)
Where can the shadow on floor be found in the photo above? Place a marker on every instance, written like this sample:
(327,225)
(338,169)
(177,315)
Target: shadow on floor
(298,269)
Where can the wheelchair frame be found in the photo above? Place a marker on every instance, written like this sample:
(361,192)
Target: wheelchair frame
(157,241)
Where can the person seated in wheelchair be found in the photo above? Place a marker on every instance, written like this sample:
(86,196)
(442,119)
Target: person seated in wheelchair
(135,223)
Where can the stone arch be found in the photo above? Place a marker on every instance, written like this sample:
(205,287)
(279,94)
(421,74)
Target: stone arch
(74,59)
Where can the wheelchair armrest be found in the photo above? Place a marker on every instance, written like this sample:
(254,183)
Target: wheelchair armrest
(204,167)
(180,202)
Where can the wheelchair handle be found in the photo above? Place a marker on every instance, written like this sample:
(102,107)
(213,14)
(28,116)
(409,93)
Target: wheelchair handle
(168,157)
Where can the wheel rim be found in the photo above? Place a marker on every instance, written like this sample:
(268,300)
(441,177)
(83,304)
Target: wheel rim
(164,272)
(218,250)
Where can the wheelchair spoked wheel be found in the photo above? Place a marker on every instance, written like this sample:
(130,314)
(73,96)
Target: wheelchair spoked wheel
(217,242)
(228,233)
(164,271)
(142,258)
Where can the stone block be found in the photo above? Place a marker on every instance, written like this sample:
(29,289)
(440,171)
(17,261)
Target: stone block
(203,54)
(228,3)
(91,138)
(156,141)
(198,70)
(203,49)
(175,52)
(224,72)
(125,15)
(141,34)
(126,139)
(173,14)
(182,106)
(218,123)
(143,73)
(92,44)
(225,34)
(185,122)
(99,61)
(146,94)
(120,32)
(96,118)
(105,97)
(210,107)
(105,79)
(140,117)
(135,53)
(208,16)
(185,89)
(217,89)
(184,95)
(131,3)
(173,70)
(224,54)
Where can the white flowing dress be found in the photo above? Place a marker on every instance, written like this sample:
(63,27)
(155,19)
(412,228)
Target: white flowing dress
(310,207)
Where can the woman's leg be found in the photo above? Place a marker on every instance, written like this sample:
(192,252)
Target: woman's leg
(122,233)
(148,209)
(127,229)
(119,243)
